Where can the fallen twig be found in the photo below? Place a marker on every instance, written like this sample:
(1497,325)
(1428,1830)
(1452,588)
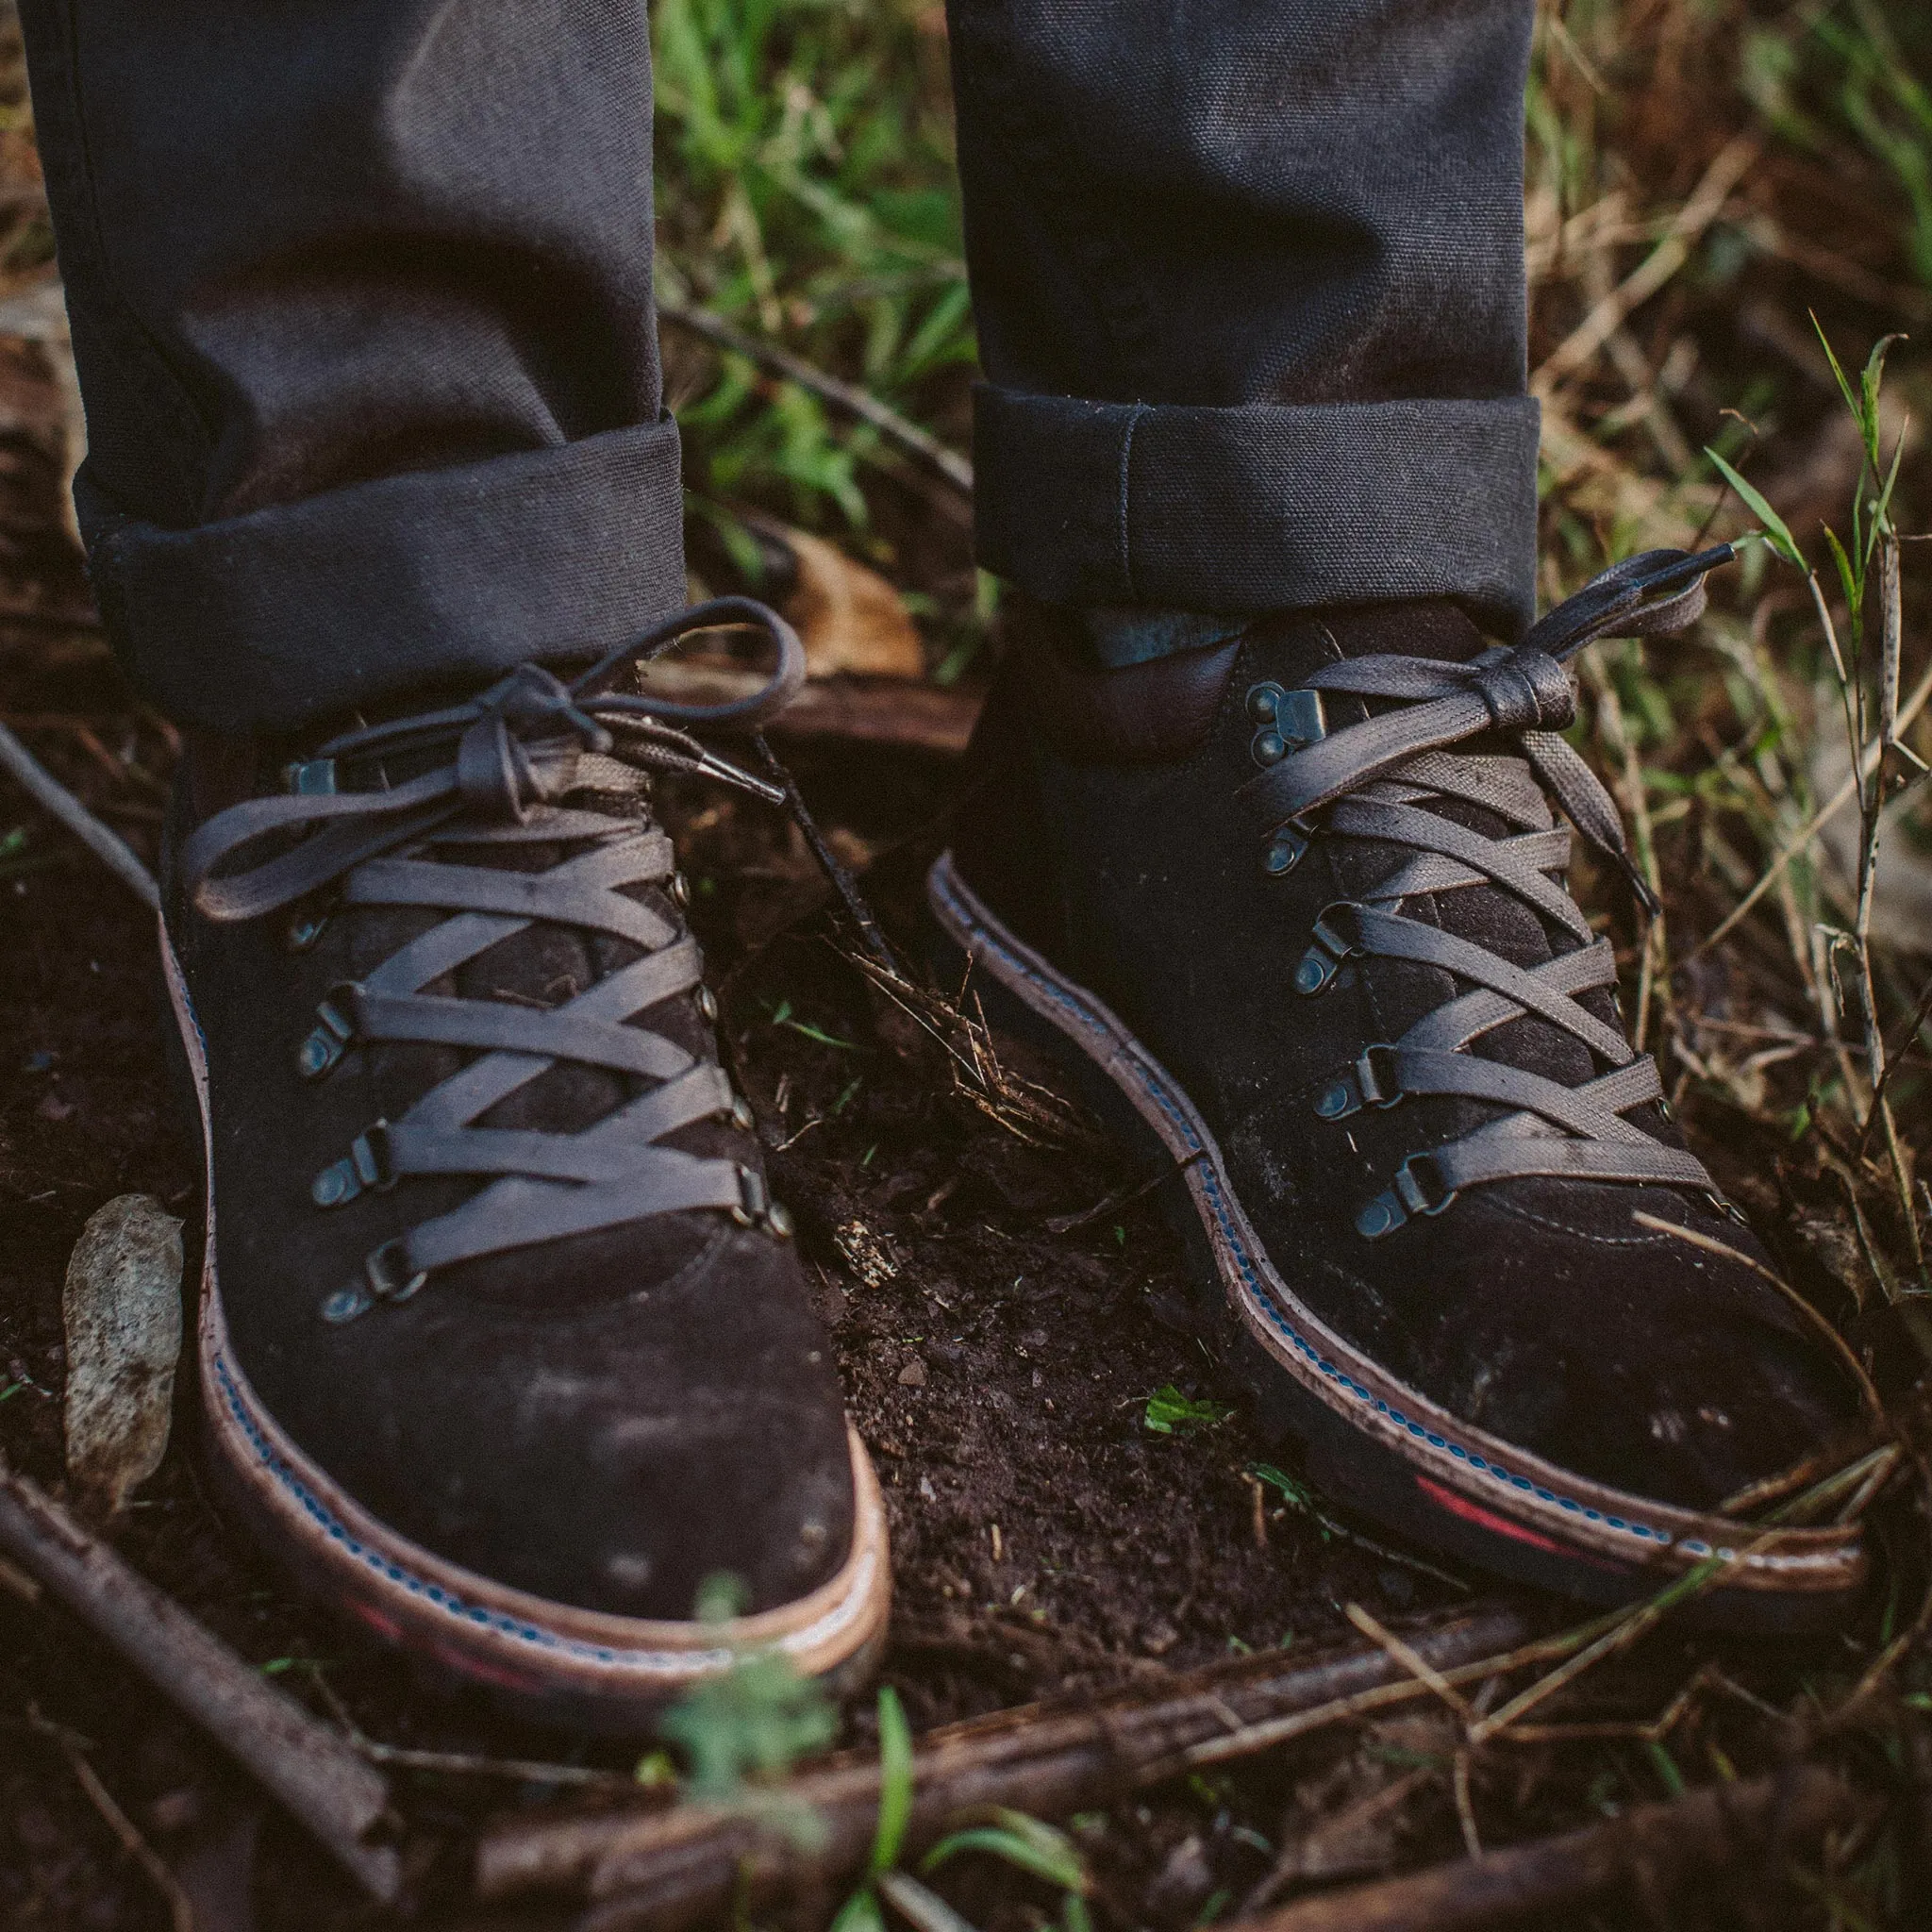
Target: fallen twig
(1868,760)
(180,1913)
(1658,1846)
(1581,344)
(35,779)
(687,1865)
(895,427)
(887,710)
(315,1773)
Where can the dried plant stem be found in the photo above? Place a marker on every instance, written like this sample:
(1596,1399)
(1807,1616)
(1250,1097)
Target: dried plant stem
(1908,715)
(180,1913)
(687,1865)
(1653,982)
(1872,806)
(1713,1830)
(915,441)
(107,846)
(1823,1328)
(343,1801)
(1581,345)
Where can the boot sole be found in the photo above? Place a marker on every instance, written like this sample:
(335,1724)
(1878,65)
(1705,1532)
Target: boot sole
(1374,1443)
(551,1662)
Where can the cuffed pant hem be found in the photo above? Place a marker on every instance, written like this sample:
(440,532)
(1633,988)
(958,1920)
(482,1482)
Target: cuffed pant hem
(270,621)
(1260,508)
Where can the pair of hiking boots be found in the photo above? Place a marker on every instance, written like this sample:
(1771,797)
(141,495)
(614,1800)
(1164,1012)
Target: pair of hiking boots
(504,1343)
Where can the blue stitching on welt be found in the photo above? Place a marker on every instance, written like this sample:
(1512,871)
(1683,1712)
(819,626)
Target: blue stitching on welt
(1266,1302)
(374,1559)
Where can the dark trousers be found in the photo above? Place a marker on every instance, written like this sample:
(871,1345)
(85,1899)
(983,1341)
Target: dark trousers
(360,294)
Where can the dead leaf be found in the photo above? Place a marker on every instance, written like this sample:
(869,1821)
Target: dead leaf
(38,314)
(867,1254)
(121,1307)
(849,618)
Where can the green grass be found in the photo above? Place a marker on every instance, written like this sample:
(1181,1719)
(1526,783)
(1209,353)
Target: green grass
(806,193)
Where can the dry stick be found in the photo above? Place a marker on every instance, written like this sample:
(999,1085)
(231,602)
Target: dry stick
(895,427)
(1712,1830)
(1890,615)
(684,1866)
(180,1913)
(1921,1013)
(315,1772)
(1908,712)
(1581,346)
(896,711)
(34,778)
(1636,796)
(1416,1665)
(1269,1732)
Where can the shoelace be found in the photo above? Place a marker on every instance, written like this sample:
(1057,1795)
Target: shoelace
(1377,779)
(486,774)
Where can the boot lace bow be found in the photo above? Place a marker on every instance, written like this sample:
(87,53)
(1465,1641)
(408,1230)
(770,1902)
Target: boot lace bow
(496,770)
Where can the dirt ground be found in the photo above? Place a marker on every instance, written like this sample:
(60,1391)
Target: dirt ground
(1002,1311)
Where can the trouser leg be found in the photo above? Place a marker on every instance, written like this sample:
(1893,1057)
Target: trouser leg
(1249,284)
(361,293)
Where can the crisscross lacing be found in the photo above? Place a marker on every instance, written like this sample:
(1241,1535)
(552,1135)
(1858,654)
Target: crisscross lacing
(1377,780)
(388,815)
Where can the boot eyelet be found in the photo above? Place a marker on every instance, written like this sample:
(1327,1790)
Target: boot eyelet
(1419,1183)
(330,1039)
(742,1116)
(707,1004)
(310,778)
(1337,939)
(1264,699)
(304,930)
(1376,1074)
(1338,1100)
(1419,1189)
(1286,849)
(1290,721)
(388,1271)
(680,889)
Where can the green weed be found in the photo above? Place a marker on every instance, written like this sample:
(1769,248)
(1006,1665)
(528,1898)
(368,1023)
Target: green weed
(746,1726)
(1171,1413)
(805,192)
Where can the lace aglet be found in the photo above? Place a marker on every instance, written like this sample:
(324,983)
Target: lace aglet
(712,766)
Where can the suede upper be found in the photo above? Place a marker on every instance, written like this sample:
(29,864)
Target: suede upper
(605,1420)
(1538,1310)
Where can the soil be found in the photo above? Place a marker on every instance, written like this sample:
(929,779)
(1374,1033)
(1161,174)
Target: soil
(1003,1311)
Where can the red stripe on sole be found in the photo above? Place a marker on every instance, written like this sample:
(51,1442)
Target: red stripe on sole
(1484,1519)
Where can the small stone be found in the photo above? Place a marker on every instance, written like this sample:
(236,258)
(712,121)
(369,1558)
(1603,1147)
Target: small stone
(121,1312)
(913,1375)
(1158,1638)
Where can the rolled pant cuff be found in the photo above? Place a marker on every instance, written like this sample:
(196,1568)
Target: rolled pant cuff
(270,621)
(1260,508)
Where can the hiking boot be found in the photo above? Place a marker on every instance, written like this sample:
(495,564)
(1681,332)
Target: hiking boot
(1293,901)
(502,1344)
